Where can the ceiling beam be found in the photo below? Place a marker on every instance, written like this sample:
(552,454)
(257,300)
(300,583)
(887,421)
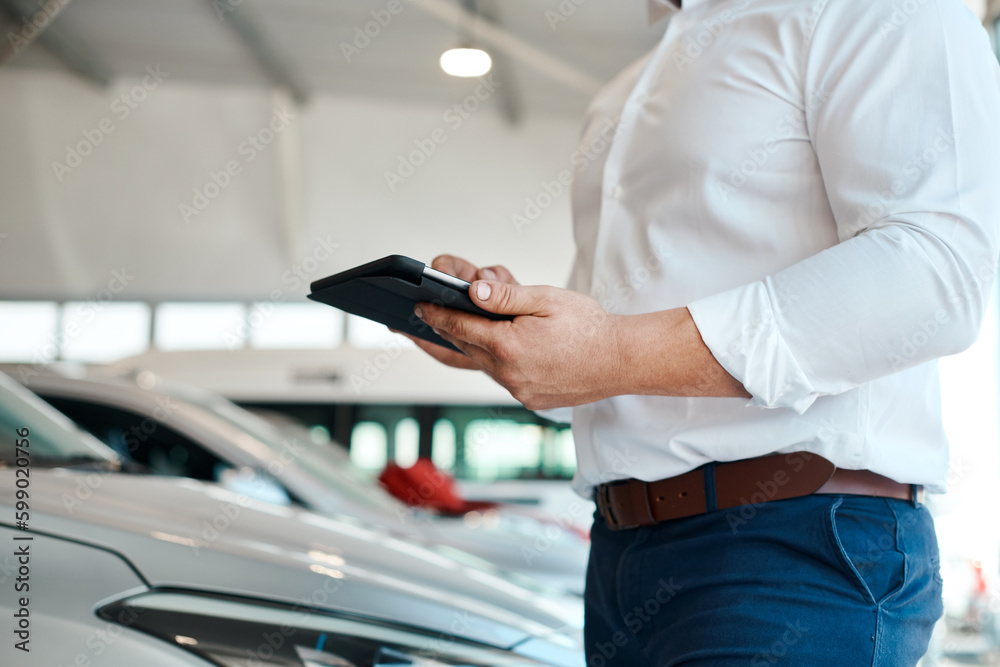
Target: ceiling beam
(513,46)
(252,35)
(37,23)
(992,11)
(510,92)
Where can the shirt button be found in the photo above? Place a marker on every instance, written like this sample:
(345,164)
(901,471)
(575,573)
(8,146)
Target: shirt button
(615,191)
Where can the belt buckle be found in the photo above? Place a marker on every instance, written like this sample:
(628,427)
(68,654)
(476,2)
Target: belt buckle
(604,505)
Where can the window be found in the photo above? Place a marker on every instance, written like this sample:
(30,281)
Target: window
(294,325)
(369,446)
(143,440)
(502,449)
(407,442)
(201,326)
(443,450)
(102,332)
(29,331)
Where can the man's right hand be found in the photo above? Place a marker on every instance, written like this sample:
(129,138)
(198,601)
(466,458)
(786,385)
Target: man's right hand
(468,272)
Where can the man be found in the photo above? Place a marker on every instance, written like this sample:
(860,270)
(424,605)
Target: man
(799,207)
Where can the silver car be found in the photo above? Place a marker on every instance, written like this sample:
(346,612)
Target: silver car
(181,430)
(117,569)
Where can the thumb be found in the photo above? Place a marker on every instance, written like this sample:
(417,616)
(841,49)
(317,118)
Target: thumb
(508,298)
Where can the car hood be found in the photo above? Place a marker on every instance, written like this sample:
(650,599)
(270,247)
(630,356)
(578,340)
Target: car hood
(186,534)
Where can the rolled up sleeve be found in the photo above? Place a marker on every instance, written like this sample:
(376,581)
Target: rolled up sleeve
(906,134)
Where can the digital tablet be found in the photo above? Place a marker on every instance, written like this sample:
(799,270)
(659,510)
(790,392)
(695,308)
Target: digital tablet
(387,289)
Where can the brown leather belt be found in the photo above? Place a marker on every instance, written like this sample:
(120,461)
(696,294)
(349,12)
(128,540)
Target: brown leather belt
(632,503)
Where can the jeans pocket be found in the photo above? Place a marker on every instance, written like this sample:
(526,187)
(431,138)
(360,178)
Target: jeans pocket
(866,533)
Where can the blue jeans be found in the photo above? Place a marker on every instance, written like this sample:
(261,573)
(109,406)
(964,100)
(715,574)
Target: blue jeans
(821,580)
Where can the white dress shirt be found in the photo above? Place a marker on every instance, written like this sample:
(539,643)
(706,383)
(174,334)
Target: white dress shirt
(819,183)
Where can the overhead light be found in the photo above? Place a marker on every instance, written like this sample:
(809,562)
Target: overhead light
(466,62)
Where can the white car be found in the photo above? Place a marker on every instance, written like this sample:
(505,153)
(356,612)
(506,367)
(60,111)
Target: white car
(181,430)
(108,568)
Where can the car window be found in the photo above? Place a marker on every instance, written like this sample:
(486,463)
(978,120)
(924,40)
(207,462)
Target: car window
(142,439)
(51,436)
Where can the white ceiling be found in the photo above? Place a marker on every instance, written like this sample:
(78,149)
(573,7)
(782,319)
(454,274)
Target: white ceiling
(190,40)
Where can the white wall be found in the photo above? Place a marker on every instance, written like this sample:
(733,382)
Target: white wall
(323,177)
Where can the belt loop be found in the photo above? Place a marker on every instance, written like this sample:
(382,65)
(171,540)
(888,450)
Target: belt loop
(711,501)
(915,495)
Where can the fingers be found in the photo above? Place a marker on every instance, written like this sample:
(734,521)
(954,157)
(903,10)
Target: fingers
(511,299)
(497,272)
(457,324)
(480,358)
(455,266)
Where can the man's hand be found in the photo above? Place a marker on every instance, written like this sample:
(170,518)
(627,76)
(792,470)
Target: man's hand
(561,348)
(468,272)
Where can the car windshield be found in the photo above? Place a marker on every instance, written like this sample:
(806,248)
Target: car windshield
(53,438)
(327,462)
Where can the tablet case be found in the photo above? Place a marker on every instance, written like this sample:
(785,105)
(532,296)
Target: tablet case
(386,291)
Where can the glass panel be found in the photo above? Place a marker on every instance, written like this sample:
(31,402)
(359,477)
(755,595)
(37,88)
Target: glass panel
(295,325)
(369,445)
(407,442)
(99,333)
(52,437)
(501,449)
(443,450)
(29,331)
(201,326)
(565,447)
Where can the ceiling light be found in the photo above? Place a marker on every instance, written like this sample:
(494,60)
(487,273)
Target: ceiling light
(466,62)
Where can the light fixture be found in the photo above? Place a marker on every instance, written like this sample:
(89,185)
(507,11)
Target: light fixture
(466,61)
